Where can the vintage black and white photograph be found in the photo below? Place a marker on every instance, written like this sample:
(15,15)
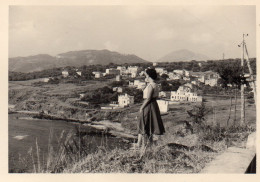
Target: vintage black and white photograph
(132,89)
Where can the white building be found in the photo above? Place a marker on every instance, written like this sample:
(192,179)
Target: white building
(179,72)
(65,73)
(118,89)
(45,80)
(134,74)
(142,73)
(193,97)
(133,69)
(184,88)
(155,64)
(122,70)
(79,73)
(98,74)
(186,78)
(182,95)
(164,94)
(174,76)
(194,82)
(186,73)
(163,105)
(160,71)
(201,78)
(125,100)
(112,71)
(118,78)
(212,82)
(136,82)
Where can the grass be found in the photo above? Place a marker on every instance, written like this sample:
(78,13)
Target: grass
(171,153)
(70,149)
(158,158)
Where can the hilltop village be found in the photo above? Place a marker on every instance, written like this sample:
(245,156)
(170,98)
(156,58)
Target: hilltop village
(184,93)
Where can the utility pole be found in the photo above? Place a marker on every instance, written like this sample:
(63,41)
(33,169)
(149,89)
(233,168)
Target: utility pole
(252,81)
(242,121)
(223,56)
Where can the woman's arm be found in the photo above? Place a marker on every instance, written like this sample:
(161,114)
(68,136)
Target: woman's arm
(149,97)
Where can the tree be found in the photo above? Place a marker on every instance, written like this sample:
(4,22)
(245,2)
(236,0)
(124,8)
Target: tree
(164,76)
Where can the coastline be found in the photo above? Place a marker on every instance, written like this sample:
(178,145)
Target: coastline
(112,128)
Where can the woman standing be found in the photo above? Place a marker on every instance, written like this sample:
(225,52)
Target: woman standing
(150,121)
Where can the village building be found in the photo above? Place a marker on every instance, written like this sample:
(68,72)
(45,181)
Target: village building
(201,79)
(142,73)
(134,69)
(112,71)
(193,97)
(199,76)
(186,73)
(163,106)
(186,78)
(65,73)
(195,82)
(212,82)
(125,100)
(155,64)
(98,74)
(165,94)
(179,72)
(211,75)
(133,75)
(174,76)
(136,82)
(45,80)
(118,78)
(122,70)
(160,71)
(184,94)
(184,88)
(78,72)
(118,89)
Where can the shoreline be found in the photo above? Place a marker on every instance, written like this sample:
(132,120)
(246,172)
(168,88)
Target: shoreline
(113,128)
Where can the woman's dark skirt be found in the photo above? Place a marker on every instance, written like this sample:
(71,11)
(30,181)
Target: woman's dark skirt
(150,121)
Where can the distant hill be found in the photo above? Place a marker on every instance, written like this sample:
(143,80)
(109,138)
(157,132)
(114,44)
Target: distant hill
(183,55)
(72,58)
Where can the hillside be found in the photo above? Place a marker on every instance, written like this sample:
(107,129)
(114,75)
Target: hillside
(183,55)
(73,58)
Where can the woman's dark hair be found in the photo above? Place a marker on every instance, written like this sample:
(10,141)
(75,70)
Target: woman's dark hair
(151,73)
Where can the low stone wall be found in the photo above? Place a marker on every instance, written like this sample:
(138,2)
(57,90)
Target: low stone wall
(235,160)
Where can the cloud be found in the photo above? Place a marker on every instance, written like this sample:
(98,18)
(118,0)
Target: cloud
(111,46)
(202,38)
(24,28)
(165,34)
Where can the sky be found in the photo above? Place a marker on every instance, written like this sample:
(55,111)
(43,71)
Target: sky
(149,32)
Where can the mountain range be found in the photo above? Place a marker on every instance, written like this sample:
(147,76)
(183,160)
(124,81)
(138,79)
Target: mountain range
(73,58)
(90,57)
